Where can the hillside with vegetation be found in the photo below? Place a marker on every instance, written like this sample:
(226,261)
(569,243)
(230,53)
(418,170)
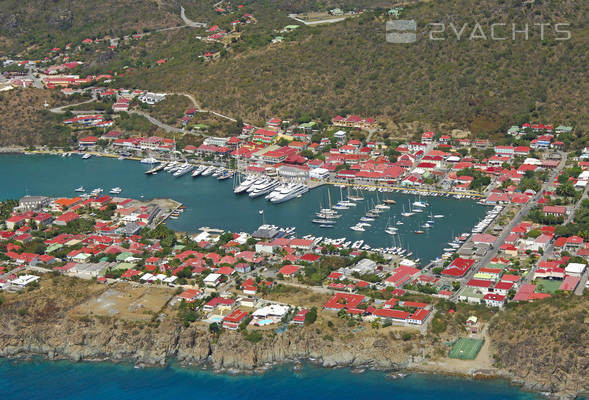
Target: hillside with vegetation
(545,342)
(483,86)
(41,24)
(26,121)
(318,72)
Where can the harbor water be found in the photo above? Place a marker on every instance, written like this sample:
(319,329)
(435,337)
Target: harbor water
(210,202)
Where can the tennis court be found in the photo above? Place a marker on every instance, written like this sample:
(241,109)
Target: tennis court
(466,349)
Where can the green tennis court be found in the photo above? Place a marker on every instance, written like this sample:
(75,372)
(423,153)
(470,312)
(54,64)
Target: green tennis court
(466,349)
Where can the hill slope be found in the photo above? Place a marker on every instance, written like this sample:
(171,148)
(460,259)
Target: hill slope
(40,23)
(545,342)
(482,84)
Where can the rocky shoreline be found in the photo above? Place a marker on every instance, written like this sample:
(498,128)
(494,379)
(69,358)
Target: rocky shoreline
(230,353)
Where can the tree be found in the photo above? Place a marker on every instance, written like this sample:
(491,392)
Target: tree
(214,328)
(529,183)
(311,316)
(283,142)
(186,272)
(566,190)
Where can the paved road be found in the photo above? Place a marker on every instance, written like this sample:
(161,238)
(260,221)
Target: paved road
(37,84)
(517,219)
(158,123)
(189,22)
(62,109)
(165,127)
(318,22)
(581,286)
(191,97)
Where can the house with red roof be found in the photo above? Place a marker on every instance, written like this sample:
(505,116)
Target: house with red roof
(392,315)
(190,295)
(458,267)
(289,271)
(419,316)
(65,218)
(220,303)
(557,211)
(427,137)
(354,121)
(401,275)
(233,320)
(347,301)
(15,221)
(494,300)
(299,318)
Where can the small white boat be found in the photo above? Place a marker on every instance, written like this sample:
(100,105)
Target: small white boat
(116,190)
(357,228)
(86,156)
(80,189)
(149,160)
(208,171)
(198,171)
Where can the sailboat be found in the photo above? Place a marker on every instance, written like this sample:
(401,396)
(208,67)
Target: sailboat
(379,205)
(357,197)
(391,230)
(389,201)
(419,203)
(344,204)
(406,213)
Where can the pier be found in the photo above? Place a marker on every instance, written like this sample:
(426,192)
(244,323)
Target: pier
(403,189)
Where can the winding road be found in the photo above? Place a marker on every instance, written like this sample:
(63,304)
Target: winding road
(156,122)
(189,22)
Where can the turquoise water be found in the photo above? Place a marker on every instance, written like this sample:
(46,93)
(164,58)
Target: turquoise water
(64,380)
(212,203)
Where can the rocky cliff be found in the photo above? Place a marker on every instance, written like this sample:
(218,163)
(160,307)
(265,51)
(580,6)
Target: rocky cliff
(95,339)
(541,353)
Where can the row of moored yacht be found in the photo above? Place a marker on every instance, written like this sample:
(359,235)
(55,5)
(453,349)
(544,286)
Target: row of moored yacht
(272,189)
(179,169)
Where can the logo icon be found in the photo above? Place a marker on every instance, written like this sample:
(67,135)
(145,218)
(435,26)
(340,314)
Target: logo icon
(401,31)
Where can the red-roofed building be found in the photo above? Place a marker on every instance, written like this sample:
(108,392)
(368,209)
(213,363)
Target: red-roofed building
(343,301)
(418,317)
(458,267)
(390,314)
(233,320)
(401,275)
(189,295)
(65,218)
(289,271)
(494,300)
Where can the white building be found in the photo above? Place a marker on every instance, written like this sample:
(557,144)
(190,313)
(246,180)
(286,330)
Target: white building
(271,311)
(212,280)
(24,280)
(364,266)
(575,269)
(318,173)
